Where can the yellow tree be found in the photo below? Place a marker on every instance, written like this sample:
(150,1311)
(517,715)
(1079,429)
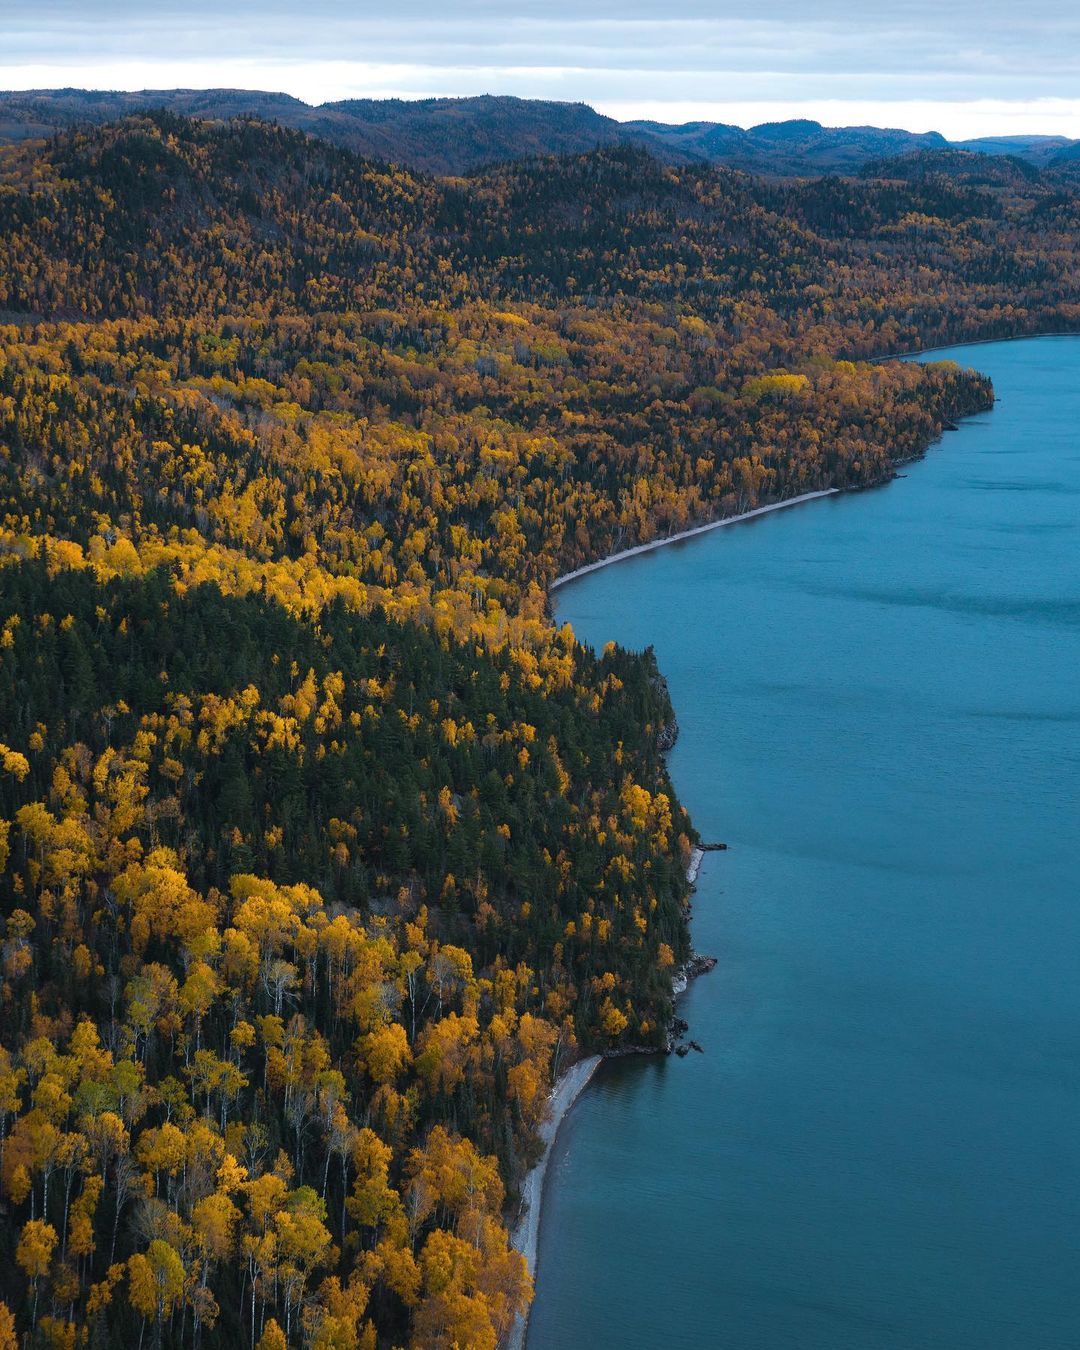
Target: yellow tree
(8,1339)
(156,1281)
(303,1244)
(34,1253)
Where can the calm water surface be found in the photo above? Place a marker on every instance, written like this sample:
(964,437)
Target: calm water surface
(879,697)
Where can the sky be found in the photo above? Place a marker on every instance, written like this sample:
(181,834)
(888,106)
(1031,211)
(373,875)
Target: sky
(962,67)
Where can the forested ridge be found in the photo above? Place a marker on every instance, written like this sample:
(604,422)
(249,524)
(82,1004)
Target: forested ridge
(322,848)
(461,135)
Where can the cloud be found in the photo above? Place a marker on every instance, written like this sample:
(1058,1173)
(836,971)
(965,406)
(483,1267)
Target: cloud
(960,64)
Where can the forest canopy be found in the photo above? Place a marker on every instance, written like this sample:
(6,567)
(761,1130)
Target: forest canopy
(322,847)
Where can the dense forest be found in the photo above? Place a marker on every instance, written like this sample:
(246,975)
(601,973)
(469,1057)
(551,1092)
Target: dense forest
(322,848)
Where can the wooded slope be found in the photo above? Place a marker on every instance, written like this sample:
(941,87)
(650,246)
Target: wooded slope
(321,848)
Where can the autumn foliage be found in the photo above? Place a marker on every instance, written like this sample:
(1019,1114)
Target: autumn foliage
(321,848)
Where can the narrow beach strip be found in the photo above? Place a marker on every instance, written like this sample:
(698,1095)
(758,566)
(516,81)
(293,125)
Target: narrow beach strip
(689,534)
(525,1236)
(526,1232)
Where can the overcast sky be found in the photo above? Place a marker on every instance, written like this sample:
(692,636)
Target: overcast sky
(963,67)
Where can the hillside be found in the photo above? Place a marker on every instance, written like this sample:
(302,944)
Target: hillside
(785,148)
(461,135)
(1041,151)
(321,848)
(434,135)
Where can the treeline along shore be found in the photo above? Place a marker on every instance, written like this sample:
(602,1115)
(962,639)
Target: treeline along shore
(323,850)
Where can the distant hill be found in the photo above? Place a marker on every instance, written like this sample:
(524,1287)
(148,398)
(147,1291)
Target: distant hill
(458,135)
(1037,150)
(461,135)
(789,148)
(438,135)
(40,112)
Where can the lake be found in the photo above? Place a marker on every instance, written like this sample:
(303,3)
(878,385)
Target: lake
(879,697)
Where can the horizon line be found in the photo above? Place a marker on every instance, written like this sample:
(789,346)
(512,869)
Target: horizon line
(746,115)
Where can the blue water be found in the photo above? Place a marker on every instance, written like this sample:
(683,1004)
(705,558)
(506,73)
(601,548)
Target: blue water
(880,711)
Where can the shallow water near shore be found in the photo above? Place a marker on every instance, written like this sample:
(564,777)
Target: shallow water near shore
(879,696)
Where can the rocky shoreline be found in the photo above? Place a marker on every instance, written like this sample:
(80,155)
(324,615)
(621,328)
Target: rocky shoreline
(696,964)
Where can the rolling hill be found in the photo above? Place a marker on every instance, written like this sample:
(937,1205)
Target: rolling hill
(461,135)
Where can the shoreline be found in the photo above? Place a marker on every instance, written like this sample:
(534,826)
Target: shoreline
(525,1235)
(973,342)
(804,496)
(690,534)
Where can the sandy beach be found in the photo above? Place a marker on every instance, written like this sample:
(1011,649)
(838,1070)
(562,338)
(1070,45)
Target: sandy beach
(689,534)
(526,1231)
